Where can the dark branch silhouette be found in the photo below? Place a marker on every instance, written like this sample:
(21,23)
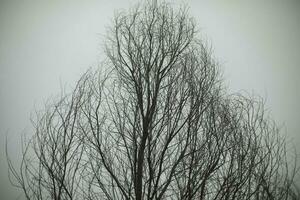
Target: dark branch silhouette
(156,125)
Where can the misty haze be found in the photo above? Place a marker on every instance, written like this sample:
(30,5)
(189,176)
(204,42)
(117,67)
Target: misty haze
(149,100)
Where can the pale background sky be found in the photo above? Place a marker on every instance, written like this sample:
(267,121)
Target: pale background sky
(46,44)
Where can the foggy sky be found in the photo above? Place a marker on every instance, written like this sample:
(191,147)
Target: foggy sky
(47,45)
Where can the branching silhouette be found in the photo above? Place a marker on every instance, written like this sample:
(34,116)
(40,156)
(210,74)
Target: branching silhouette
(157,124)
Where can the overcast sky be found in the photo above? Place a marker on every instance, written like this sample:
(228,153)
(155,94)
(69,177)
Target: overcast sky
(46,45)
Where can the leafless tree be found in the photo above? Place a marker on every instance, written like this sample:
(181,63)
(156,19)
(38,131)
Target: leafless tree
(156,125)
(52,158)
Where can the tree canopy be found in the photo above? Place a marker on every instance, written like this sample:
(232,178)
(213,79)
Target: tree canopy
(155,123)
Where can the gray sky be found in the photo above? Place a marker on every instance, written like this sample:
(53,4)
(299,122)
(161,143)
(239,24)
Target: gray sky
(46,44)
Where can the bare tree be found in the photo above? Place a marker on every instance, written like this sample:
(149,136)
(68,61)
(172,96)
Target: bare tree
(157,125)
(52,158)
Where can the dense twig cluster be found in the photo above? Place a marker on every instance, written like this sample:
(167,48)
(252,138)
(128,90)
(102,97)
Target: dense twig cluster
(159,125)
